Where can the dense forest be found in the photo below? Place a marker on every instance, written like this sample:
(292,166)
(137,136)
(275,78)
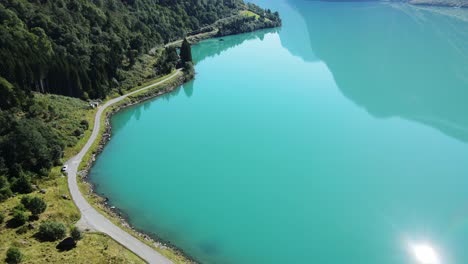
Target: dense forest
(76,47)
(87,49)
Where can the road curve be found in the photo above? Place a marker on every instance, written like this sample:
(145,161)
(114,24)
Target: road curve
(92,219)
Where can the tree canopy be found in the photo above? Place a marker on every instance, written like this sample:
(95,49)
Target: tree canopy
(73,47)
(186,51)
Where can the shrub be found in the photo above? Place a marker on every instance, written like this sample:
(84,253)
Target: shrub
(22,184)
(19,218)
(76,233)
(2,218)
(25,201)
(78,132)
(84,124)
(13,255)
(5,191)
(34,204)
(51,231)
(19,207)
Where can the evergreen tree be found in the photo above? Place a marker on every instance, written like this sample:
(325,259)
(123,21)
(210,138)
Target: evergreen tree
(34,204)
(13,256)
(186,51)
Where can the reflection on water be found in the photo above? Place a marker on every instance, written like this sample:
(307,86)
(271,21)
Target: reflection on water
(415,67)
(424,253)
(218,45)
(215,48)
(188,89)
(269,141)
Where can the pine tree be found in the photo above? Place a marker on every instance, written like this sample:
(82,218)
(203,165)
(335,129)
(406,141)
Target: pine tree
(186,51)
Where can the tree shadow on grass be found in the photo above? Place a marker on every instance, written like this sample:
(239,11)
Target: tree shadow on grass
(66,244)
(12,223)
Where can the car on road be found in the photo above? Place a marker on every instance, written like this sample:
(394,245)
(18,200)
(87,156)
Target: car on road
(65,168)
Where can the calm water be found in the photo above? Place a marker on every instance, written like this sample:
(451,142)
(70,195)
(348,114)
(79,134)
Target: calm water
(339,138)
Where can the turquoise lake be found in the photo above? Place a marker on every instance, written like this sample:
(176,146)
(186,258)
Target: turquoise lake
(340,138)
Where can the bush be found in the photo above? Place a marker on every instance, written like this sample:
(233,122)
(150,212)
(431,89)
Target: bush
(2,218)
(76,233)
(19,207)
(51,231)
(19,218)
(34,204)
(84,124)
(78,132)
(5,191)
(22,184)
(25,201)
(13,255)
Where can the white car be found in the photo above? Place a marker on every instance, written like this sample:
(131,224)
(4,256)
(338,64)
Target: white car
(65,168)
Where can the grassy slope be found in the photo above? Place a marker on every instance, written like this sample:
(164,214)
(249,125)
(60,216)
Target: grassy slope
(98,248)
(249,13)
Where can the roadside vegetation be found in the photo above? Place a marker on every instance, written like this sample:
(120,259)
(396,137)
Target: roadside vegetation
(37,215)
(35,224)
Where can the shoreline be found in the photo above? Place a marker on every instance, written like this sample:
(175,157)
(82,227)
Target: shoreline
(99,201)
(439,3)
(91,216)
(103,201)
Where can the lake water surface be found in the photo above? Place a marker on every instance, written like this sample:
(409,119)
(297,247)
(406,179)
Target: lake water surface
(340,138)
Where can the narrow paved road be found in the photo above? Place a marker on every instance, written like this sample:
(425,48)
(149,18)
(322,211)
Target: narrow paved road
(92,219)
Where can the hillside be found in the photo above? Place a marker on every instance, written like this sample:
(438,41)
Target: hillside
(80,48)
(89,49)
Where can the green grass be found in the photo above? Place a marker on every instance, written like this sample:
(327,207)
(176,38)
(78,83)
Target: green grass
(64,115)
(152,82)
(98,248)
(248,13)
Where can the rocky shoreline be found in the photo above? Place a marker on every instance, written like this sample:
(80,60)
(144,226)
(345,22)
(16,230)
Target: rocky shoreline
(103,202)
(441,3)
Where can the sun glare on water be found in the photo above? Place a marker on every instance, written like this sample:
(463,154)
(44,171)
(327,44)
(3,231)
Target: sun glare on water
(424,253)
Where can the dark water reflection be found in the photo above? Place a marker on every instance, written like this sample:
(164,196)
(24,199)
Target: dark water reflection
(216,47)
(415,67)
